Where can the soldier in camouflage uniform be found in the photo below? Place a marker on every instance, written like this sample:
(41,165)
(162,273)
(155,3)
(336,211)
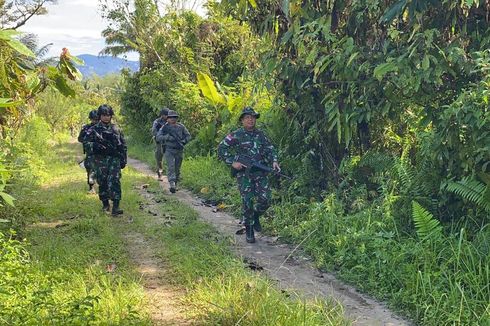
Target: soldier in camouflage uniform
(252,184)
(88,162)
(159,147)
(174,136)
(108,146)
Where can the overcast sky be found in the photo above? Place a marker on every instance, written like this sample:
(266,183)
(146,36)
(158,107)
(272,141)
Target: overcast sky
(74,24)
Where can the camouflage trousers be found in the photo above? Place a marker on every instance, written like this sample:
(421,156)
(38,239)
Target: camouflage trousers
(256,195)
(108,173)
(159,151)
(89,164)
(174,162)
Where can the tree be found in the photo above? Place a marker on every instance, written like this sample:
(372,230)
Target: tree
(14,14)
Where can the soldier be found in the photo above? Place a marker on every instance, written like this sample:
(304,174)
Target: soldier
(160,147)
(107,143)
(253,185)
(174,136)
(88,162)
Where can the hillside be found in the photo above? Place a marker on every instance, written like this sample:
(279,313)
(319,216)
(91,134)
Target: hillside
(103,65)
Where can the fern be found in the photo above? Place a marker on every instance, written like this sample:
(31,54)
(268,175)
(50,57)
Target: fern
(426,225)
(471,190)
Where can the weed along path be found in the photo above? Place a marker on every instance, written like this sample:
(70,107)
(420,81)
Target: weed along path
(284,264)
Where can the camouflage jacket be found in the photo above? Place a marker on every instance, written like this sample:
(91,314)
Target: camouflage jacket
(173,136)
(107,140)
(254,144)
(82,137)
(157,125)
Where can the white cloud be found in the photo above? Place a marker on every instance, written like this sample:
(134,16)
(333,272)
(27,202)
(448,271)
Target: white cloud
(74,24)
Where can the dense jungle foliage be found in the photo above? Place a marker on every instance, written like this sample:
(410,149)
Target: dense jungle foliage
(379,109)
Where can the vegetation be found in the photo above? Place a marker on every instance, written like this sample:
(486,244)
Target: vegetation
(379,109)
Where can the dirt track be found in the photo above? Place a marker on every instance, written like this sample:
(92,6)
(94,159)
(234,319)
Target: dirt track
(283,263)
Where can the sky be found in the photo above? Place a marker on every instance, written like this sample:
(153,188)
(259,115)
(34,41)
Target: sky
(74,24)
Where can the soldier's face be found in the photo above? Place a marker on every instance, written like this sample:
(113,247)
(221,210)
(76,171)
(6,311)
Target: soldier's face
(105,118)
(248,121)
(172,120)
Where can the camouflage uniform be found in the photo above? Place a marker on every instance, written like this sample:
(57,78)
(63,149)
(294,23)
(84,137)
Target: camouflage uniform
(174,137)
(253,185)
(159,147)
(108,146)
(88,162)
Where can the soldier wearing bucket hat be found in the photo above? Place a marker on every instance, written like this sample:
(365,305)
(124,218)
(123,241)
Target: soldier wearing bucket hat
(174,136)
(252,184)
(159,147)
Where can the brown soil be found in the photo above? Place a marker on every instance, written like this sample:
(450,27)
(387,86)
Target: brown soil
(284,263)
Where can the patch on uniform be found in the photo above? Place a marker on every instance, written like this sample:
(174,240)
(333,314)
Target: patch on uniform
(229,139)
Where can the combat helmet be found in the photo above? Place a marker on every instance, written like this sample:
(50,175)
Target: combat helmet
(93,115)
(105,109)
(164,111)
(172,114)
(250,111)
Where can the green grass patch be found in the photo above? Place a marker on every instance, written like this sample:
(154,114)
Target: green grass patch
(221,290)
(59,275)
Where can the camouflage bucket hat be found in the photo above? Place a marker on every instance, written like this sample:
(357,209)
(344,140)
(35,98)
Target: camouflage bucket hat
(172,114)
(250,111)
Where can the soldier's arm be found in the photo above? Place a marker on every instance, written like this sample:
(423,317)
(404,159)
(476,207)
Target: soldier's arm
(226,149)
(187,135)
(154,128)
(161,135)
(81,135)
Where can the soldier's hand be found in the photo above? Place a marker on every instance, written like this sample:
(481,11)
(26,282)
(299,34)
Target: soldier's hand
(238,166)
(276,166)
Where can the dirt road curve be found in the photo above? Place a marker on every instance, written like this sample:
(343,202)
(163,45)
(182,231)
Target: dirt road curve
(283,263)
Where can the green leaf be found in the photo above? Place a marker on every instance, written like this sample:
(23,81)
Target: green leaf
(21,48)
(253,3)
(77,60)
(6,34)
(351,58)
(7,198)
(61,85)
(8,102)
(394,11)
(4,220)
(383,69)
(426,62)
(208,89)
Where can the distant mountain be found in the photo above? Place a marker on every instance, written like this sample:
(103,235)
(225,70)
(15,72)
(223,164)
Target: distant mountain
(103,65)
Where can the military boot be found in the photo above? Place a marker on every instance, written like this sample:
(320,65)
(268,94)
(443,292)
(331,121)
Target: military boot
(105,206)
(115,208)
(172,187)
(249,231)
(257,226)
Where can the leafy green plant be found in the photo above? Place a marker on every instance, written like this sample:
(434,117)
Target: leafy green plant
(471,190)
(426,225)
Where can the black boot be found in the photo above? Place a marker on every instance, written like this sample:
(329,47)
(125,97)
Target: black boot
(115,208)
(257,226)
(249,231)
(105,206)
(172,187)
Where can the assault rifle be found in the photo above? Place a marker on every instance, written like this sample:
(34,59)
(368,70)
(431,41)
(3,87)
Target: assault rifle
(175,137)
(252,165)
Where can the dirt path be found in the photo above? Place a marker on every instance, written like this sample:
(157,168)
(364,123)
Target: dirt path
(163,298)
(284,264)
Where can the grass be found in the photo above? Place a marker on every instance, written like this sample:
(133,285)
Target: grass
(221,291)
(58,275)
(444,282)
(63,273)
